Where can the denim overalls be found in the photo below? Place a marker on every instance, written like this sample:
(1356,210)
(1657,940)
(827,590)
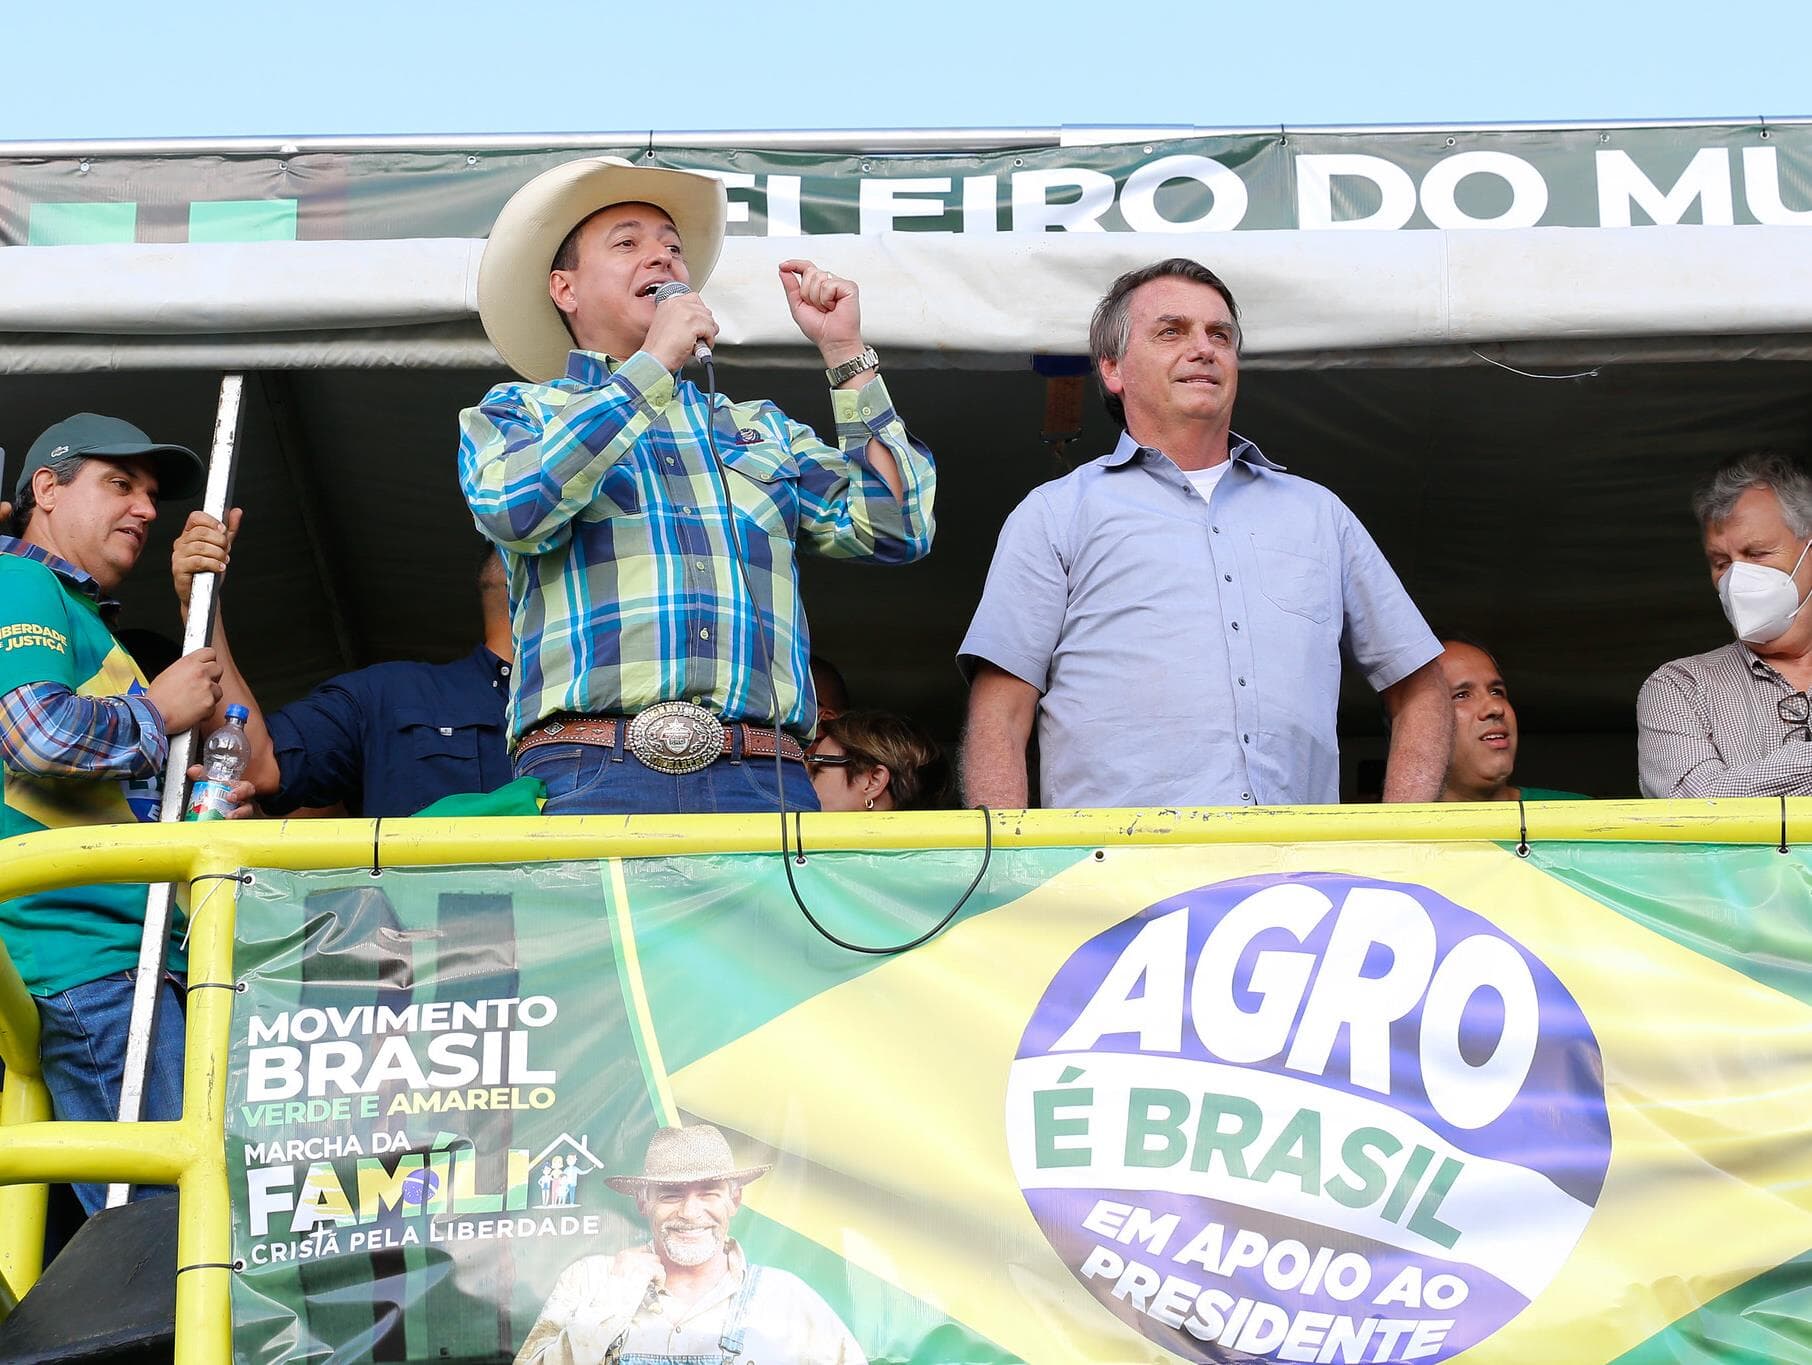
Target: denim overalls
(729,1345)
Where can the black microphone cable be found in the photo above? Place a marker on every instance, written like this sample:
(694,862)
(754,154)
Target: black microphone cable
(774,716)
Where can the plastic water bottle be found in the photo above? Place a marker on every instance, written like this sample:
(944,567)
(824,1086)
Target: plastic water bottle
(223,759)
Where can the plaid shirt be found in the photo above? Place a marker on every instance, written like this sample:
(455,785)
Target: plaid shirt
(1716,724)
(624,592)
(47,730)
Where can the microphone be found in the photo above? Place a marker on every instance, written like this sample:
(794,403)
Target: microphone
(672,290)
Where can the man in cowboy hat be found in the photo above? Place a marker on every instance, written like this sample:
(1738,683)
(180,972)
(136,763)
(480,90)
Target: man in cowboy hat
(688,1292)
(649,529)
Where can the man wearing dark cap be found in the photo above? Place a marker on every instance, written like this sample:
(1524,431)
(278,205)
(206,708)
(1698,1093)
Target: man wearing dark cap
(84,739)
(661,642)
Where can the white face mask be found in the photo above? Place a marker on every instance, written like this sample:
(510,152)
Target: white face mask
(1760,602)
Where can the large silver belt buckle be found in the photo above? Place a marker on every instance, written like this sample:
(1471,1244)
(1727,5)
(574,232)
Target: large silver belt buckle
(676,737)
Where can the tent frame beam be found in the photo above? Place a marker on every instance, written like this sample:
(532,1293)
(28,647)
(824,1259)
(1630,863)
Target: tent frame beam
(853,140)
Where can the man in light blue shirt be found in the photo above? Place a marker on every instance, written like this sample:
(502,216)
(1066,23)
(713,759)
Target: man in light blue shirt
(1174,613)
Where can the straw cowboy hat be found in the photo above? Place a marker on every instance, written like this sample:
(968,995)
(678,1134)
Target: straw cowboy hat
(513,303)
(686,1156)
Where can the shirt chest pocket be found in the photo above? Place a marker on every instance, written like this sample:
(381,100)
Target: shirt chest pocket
(1291,580)
(446,739)
(763,479)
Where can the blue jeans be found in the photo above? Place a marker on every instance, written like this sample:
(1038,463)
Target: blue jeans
(82,1048)
(596,779)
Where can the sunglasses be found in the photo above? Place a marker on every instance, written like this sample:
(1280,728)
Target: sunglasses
(1795,709)
(827,760)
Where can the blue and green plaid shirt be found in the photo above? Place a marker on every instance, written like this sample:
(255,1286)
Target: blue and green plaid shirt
(599,489)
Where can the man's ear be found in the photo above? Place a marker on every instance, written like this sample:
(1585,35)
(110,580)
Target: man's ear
(1110,376)
(560,290)
(44,487)
(735,1198)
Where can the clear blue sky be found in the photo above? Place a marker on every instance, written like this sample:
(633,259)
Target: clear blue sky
(202,67)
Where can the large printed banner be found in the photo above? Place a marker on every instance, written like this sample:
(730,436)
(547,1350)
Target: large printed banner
(1328,1103)
(1380,180)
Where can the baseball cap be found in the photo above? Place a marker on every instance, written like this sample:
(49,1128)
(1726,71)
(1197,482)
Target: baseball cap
(179,469)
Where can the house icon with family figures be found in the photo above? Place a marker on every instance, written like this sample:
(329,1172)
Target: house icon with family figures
(556,1172)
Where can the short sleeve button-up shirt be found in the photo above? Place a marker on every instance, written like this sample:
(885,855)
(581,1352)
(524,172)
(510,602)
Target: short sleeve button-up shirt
(1189,650)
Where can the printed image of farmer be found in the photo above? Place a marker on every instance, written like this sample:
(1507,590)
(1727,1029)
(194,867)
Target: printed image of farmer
(688,1293)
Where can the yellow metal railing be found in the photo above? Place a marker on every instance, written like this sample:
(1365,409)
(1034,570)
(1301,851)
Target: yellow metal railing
(191,1153)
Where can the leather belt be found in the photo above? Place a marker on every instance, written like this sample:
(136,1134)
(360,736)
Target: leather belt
(673,737)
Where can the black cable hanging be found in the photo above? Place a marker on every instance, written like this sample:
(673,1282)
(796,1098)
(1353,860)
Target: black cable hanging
(774,720)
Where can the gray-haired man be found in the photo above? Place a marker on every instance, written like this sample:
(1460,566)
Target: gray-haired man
(1737,720)
(1174,614)
(688,1293)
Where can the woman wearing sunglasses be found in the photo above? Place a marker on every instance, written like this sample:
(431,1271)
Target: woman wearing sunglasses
(872,760)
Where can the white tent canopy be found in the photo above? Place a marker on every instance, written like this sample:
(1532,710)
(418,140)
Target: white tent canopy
(934,299)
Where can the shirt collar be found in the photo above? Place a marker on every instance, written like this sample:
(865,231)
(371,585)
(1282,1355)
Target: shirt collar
(1238,448)
(594,368)
(590,367)
(1760,667)
(492,664)
(75,578)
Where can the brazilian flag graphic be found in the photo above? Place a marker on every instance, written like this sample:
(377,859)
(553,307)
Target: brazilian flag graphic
(1336,1102)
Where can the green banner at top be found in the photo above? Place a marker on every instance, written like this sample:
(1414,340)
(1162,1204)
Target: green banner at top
(1581,177)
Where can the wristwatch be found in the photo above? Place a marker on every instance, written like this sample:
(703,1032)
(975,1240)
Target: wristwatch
(849,369)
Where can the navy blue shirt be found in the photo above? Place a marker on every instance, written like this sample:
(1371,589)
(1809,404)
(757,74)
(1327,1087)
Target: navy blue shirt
(390,739)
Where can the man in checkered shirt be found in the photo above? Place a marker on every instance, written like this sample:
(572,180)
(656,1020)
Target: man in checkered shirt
(1737,721)
(649,588)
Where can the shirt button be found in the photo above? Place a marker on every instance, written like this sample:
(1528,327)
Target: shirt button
(1228,577)
(704,634)
(1242,682)
(688,510)
(1236,625)
(1245,796)
(1245,739)
(1215,529)
(699,564)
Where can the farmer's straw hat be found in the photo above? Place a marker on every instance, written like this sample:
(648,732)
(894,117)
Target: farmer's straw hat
(686,1156)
